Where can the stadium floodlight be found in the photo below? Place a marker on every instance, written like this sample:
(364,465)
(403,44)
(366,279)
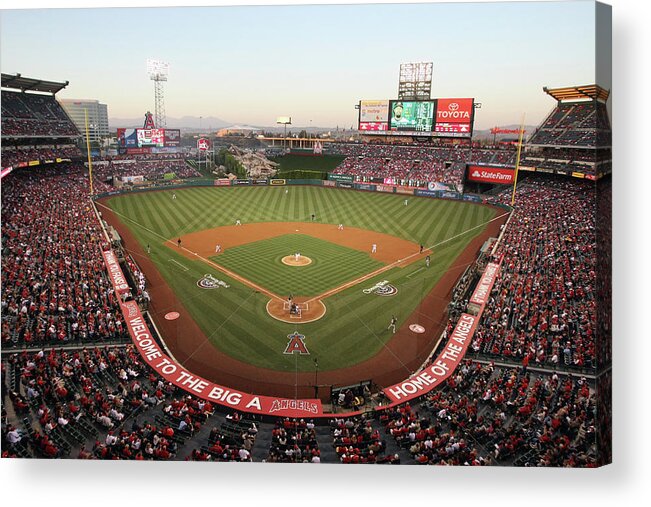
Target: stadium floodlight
(158,72)
(415,81)
(284,120)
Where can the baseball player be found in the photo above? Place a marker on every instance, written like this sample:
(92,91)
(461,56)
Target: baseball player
(392,324)
(218,248)
(237,222)
(341,227)
(427,260)
(374,248)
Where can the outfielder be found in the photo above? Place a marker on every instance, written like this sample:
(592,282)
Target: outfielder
(392,324)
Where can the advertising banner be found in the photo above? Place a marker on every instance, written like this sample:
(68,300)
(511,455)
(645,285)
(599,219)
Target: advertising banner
(343,184)
(138,151)
(329,183)
(115,272)
(437,185)
(578,175)
(260,182)
(404,190)
(454,111)
(222,182)
(428,193)
(172,137)
(341,177)
(203,144)
(277,182)
(241,182)
(441,368)
(364,186)
(485,284)
(495,175)
(385,188)
(374,116)
(130,138)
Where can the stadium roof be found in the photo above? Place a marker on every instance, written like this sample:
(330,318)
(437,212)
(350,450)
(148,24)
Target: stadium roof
(27,84)
(578,92)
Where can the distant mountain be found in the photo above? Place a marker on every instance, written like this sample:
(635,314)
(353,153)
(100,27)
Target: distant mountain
(185,122)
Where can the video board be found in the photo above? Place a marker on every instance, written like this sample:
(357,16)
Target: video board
(148,138)
(409,117)
(427,118)
(151,137)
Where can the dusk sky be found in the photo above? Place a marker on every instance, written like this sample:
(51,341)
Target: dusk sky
(250,64)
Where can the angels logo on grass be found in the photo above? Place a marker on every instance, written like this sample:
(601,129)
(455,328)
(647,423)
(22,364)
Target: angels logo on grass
(210,282)
(296,344)
(383,288)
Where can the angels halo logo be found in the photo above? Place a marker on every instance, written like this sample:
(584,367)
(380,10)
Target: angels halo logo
(210,282)
(386,290)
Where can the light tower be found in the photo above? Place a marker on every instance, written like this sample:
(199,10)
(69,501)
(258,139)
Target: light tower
(158,72)
(415,81)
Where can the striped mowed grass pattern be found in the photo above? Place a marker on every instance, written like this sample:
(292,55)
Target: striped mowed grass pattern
(354,327)
(332,265)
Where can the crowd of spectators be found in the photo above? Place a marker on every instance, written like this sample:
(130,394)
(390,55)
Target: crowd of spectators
(55,286)
(583,124)
(26,114)
(486,415)
(11,157)
(294,441)
(542,308)
(150,168)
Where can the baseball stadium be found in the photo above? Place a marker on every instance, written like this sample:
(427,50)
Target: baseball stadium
(404,293)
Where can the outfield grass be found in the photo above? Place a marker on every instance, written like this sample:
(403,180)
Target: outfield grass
(354,327)
(332,265)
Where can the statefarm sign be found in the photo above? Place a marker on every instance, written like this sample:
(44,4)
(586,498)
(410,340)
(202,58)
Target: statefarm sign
(495,175)
(115,272)
(444,365)
(172,372)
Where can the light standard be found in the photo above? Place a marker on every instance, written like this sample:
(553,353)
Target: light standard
(316,377)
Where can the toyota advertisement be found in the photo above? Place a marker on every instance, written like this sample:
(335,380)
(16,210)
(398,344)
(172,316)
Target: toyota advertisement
(487,174)
(374,116)
(454,117)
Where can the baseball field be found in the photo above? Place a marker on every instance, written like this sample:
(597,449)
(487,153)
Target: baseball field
(232,284)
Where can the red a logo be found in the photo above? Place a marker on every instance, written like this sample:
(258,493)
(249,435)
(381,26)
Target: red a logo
(296,344)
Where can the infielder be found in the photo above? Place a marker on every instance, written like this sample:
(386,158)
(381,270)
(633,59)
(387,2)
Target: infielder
(392,324)
(374,248)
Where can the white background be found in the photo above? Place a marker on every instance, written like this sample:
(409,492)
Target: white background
(626,482)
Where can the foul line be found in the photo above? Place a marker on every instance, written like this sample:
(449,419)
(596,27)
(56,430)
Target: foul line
(179,264)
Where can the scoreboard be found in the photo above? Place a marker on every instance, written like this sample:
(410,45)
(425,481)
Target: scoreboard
(148,138)
(430,118)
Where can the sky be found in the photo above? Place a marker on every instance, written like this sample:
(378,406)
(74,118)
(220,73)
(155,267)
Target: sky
(251,64)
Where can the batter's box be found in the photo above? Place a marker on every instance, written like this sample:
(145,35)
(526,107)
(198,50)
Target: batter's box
(299,308)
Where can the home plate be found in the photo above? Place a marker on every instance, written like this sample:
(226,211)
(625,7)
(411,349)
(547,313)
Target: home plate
(416,328)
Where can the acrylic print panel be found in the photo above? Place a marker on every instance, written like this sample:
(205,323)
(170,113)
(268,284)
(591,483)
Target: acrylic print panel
(426,285)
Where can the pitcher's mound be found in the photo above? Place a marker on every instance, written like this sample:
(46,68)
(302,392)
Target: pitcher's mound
(292,260)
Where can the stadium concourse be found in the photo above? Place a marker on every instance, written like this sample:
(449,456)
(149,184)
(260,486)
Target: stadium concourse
(74,385)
